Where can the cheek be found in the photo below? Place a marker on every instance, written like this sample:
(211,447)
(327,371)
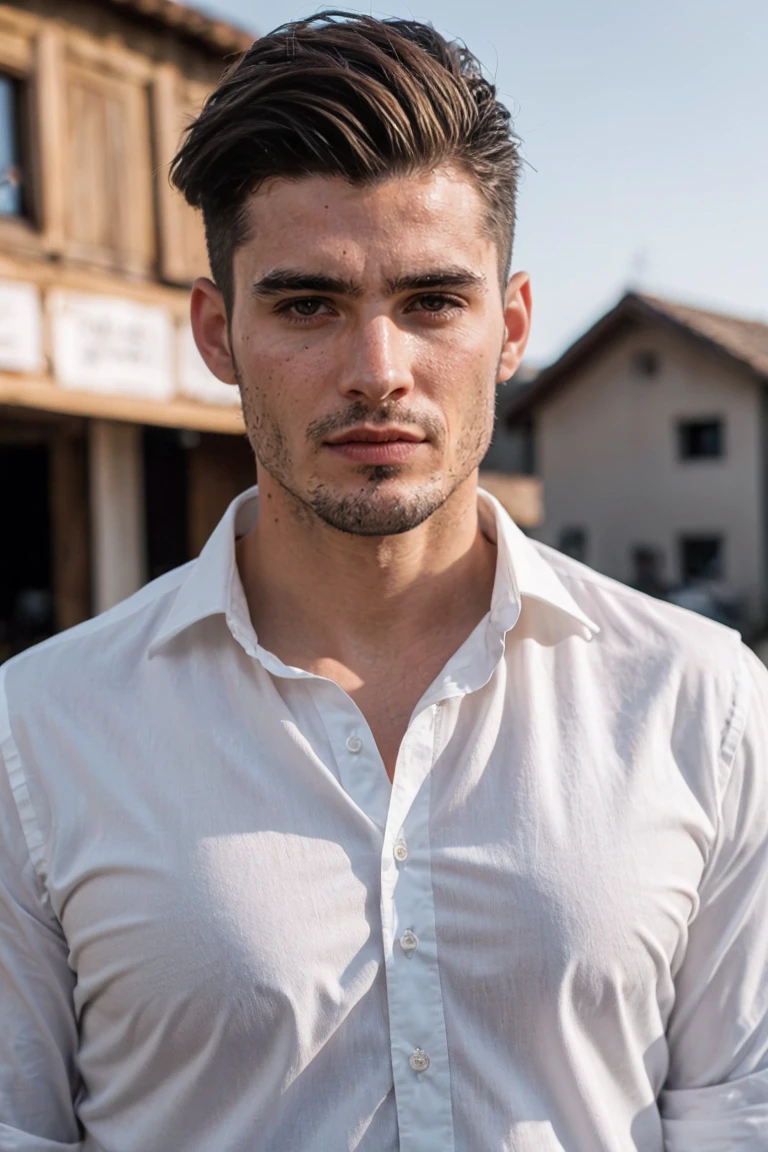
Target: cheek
(464,386)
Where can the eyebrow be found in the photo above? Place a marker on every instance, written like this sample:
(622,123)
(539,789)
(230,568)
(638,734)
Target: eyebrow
(453,277)
(283,280)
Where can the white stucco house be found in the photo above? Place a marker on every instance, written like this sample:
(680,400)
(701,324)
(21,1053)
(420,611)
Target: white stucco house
(651,441)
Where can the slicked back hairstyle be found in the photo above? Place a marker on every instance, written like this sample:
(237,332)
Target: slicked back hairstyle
(345,95)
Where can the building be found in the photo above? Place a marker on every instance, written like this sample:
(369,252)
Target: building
(651,440)
(118,450)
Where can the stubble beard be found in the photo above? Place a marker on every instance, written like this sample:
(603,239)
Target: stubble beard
(369,510)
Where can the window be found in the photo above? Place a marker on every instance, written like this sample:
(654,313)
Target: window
(573,542)
(11,186)
(175,104)
(645,364)
(700,439)
(109,179)
(701,558)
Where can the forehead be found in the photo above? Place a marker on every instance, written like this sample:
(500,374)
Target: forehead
(384,227)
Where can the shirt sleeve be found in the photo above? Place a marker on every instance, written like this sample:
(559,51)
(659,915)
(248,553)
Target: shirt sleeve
(716,1095)
(38,1036)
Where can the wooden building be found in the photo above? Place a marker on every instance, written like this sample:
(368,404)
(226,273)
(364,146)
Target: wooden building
(118,450)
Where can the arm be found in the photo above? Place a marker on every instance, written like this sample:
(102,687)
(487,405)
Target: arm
(38,1032)
(716,1095)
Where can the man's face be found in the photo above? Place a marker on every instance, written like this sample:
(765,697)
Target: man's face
(367,336)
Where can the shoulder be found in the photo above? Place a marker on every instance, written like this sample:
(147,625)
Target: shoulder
(631,621)
(695,670)
(664,667)
(103,648)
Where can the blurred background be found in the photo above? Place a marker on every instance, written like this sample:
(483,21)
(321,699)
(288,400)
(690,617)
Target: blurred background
(635,437)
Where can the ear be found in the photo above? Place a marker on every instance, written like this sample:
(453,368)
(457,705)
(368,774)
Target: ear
(210,329)
(517,325)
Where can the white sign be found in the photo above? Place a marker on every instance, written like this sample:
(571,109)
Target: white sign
(112,346)
(21,329)
(195,379)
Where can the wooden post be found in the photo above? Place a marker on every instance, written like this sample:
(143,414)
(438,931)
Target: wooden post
(118,532)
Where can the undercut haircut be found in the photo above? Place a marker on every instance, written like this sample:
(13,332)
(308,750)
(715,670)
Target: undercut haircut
(347,95)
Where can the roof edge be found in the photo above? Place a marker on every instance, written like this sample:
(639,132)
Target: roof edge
(218,36)
(632,306)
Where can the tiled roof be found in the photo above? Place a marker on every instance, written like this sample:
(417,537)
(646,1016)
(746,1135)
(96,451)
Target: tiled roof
(216,35)
(744,342)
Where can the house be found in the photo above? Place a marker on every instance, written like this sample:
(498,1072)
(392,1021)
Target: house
(118,450)
(651,440)
(507,470)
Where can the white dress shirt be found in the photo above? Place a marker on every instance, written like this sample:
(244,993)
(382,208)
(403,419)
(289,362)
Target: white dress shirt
(223,930)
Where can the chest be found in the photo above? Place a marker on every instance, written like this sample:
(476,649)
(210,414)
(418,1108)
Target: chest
(258,892)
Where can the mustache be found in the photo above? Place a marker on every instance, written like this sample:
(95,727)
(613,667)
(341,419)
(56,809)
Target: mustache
(361,413)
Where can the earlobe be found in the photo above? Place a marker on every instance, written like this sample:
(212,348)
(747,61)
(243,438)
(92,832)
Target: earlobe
(210,328)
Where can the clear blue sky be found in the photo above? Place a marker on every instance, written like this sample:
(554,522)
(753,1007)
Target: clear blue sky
(645,126)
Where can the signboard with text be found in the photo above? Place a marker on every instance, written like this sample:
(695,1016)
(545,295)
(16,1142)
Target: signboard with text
(21,329)
(113,346)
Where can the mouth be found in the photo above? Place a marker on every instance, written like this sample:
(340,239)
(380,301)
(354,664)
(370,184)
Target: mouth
(367,445)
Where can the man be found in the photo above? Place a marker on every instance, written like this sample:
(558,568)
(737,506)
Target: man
(378,826)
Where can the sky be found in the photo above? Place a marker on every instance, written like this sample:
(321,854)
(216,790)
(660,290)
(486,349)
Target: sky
(644,131)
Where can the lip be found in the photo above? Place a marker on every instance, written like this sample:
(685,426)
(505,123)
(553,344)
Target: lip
(376,445)
(367,435)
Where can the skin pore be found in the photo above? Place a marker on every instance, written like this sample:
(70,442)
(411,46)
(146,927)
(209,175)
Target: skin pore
(367,335)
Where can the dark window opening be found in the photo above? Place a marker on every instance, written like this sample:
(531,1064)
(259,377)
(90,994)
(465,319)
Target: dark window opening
(646,364)
(14,194)
(573,542)
(701,559)
(700,439)
(648,570)
(26,592)
(165,495)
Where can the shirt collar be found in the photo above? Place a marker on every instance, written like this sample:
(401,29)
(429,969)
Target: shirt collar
(212,585)
(522,572)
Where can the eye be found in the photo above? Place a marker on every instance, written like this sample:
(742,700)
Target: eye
(305,308)
(436,304)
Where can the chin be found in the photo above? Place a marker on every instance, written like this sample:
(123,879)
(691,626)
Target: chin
(386,509)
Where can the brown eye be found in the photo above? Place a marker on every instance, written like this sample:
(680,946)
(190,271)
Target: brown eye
(434,303)
(306,307)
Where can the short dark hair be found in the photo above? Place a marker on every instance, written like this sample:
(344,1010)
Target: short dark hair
(341,94)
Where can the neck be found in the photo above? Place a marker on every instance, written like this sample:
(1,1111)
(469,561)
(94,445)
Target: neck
(317,593)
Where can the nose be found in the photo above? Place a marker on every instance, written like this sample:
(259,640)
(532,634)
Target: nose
(377,362)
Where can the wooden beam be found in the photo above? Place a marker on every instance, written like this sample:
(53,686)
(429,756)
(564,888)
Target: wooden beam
(31,392)
(49,161)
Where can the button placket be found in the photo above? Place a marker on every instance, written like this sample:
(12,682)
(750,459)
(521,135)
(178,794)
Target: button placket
(417,1024)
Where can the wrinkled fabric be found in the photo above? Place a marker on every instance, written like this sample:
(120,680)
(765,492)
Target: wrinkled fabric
(221,928)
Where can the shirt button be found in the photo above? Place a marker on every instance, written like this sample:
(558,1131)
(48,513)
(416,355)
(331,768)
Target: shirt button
(409,942)
(354,743)
(419,1060)
(400,851)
